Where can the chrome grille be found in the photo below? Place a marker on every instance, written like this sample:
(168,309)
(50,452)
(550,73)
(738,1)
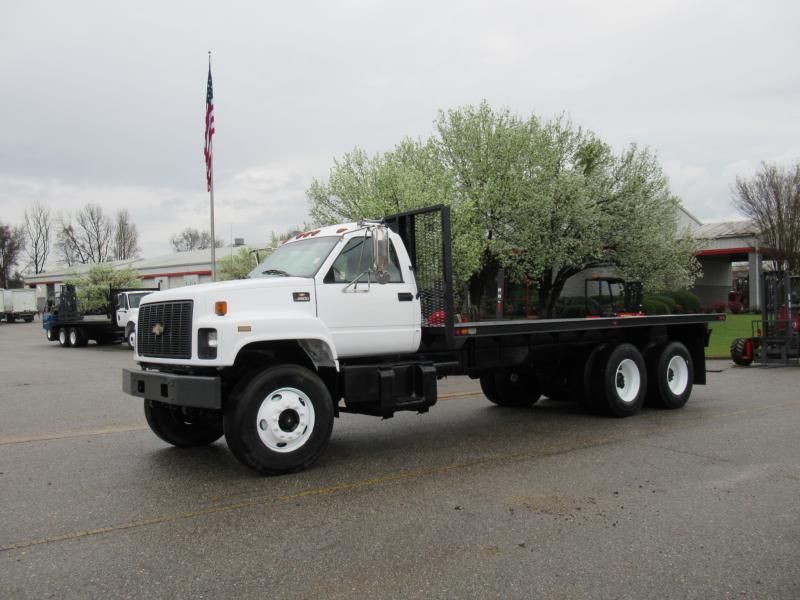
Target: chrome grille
(172,321)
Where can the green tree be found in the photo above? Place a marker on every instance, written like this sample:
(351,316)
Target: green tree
(236,266)
(94,285)
(545,200)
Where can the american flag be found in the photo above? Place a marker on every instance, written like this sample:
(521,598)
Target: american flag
(209,129)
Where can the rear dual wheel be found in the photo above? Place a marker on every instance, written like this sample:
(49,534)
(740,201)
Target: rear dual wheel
(671,373)
(77,337)
(512,387)
(618,380)
(63,338)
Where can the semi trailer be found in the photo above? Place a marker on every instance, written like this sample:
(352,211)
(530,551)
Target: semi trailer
(360,318)
(72,328)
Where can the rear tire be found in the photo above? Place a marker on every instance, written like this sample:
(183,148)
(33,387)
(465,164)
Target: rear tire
(619,380)
(512,387)
(77,337)
(671,373)
(63,338)
(280,420)
(738,347)
(182,427)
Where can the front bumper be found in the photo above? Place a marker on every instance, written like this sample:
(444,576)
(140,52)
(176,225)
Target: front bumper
(181,390)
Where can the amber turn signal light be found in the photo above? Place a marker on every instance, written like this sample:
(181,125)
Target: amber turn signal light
(221,308)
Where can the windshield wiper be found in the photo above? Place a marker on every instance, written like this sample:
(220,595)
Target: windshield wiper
(275,272)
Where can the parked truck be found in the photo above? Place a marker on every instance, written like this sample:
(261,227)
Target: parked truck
(71,327)
(359,318)
(18,304)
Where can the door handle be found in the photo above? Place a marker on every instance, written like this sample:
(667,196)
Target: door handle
(405,296)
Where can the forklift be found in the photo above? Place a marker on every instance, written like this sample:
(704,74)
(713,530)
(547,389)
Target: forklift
(612,297)
(775,337)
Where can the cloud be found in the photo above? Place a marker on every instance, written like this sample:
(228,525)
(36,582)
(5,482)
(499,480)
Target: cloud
(104,102)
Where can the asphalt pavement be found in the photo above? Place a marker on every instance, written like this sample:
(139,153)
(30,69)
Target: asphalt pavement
(468,501)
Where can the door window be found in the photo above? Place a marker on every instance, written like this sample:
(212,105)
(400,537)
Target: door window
(356,258)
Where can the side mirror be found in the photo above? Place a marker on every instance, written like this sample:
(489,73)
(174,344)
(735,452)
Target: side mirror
(380,253)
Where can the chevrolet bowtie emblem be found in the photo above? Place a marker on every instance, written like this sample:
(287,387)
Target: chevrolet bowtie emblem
(158,329)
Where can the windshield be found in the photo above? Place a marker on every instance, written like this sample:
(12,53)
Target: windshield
(298,259)
(135,299)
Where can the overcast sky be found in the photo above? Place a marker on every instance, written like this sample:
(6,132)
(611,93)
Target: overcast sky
(104,102)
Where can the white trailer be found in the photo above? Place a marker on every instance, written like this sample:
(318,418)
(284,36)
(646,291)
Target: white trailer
(19,304)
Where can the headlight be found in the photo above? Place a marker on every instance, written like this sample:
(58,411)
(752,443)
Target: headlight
(207,343)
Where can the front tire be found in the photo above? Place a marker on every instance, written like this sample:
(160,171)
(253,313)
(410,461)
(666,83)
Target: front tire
(739,352)
(51,335)
(280,420)
(130,336)
(182,427)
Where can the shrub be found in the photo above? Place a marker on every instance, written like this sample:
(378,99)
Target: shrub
(686,300)
(708,308)
(736,307)
(671,304)
(651,306)
(719,306)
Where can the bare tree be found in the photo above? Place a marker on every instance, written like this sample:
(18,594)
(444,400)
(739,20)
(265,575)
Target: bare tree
(193,239)
(772,200)
(12,243)
(126,236)
(38,224)
(86,239)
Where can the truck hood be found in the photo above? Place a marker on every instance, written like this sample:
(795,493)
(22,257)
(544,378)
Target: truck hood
(192,292)
(244,295)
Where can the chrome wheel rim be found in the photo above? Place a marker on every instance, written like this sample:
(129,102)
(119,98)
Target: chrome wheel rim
(677,375)
(627,380)
(285,420)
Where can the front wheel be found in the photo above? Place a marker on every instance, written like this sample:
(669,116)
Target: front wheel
(182,427)
(50,334)
(130,337)
(742,352)
(280,420)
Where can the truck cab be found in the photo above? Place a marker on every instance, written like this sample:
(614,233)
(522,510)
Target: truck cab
(126,309)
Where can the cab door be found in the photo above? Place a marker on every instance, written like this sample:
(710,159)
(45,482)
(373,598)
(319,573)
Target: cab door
(364,317)
(122,310)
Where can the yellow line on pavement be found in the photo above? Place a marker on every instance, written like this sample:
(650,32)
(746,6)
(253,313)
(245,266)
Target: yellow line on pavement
(72,433)
(107,430)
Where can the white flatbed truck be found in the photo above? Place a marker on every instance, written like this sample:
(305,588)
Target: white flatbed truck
(359,318)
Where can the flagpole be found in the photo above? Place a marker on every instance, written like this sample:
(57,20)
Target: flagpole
(211,193)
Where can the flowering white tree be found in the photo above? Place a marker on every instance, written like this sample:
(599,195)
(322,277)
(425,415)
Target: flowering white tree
(545,200)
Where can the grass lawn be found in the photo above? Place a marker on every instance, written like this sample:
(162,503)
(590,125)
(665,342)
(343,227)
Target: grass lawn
(724,332)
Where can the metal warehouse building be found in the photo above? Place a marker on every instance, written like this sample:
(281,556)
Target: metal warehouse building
(169,271)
